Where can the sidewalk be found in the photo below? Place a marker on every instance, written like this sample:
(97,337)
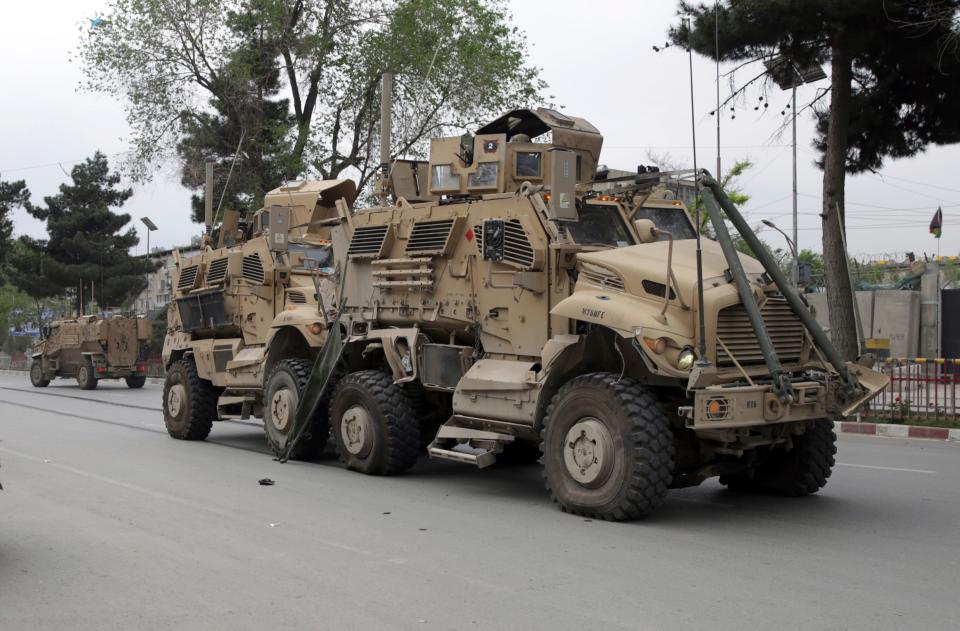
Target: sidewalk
(897,431)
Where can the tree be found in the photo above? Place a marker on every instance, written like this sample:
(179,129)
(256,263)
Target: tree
(893,88)
(197,76)
(12,195)
(86,249)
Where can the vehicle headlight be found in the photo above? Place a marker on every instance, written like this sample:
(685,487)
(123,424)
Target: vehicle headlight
(685,359)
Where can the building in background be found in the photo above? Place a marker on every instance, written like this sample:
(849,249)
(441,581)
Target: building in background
(158,291)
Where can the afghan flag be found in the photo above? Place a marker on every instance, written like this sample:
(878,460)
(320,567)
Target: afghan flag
(936,224)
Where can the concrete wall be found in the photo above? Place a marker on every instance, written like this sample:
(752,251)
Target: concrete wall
(886,313)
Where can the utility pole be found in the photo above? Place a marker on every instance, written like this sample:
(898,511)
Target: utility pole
(795,268)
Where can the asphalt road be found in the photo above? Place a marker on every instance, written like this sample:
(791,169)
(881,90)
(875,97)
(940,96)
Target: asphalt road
(106,523)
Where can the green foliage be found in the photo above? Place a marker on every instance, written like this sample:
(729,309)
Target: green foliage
(197,76)
(158,331)
(12,195)
(86,243)
(16,312)
(903,54)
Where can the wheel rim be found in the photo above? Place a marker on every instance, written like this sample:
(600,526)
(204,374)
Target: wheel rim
(175,399)
(282,409)
(37,372)
(83,374)
(356,431)
(588,452)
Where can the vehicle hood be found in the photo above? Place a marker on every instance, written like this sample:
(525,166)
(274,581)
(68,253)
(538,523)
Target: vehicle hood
(648,261)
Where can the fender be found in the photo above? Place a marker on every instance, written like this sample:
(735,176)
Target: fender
(624,313)
(303,319)
(397,343)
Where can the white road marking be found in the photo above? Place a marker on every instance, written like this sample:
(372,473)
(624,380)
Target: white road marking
(870,466)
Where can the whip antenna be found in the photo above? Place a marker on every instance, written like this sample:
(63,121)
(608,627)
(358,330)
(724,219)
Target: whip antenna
(701,343)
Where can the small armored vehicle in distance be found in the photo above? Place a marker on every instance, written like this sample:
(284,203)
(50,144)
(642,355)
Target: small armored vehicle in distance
(91,348)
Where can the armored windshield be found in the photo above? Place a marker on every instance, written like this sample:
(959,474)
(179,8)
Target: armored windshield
(673,219)
(599,225)
(319,256)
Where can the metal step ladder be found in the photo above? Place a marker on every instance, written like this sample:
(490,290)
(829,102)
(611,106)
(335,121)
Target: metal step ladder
(470,446)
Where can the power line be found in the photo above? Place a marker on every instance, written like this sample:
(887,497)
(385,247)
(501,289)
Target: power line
(59,163)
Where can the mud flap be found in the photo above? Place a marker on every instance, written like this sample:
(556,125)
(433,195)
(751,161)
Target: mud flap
(872,383)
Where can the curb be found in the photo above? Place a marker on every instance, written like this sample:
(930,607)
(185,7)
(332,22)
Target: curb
(897,431)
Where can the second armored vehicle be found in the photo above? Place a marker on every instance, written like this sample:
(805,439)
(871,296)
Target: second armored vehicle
(91,348)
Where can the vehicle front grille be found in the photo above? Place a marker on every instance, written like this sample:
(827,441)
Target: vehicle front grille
(783,326)
(296,297)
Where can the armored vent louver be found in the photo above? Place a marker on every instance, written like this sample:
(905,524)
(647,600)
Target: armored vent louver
(658,289)
(253,268)
(296,297)
(430,237)
(516,247)
(217,271)
(600,277)
(188,278)
(367,241)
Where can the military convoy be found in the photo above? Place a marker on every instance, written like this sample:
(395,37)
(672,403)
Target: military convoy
(506,303)
(91,348)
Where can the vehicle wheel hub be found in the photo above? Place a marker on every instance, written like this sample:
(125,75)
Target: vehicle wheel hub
(588,452)
(175,399)
(356,431)
(282,409)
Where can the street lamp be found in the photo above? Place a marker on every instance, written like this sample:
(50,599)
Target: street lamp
(794,271)
(788,75)
(150,228)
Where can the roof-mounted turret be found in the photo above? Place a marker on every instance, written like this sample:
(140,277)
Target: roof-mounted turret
(502,155)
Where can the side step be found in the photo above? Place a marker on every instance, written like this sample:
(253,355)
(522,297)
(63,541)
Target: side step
(466,445)
(230,400)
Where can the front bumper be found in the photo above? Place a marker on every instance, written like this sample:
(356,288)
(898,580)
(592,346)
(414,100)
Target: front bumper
(718,407)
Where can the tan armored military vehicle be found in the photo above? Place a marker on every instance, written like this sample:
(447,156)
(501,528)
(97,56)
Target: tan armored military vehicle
(502,308)
(91,348)
(249,319)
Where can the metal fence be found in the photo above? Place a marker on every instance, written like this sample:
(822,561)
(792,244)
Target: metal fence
(920,389)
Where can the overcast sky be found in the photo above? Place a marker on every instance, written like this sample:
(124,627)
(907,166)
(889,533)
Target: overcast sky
(602,68)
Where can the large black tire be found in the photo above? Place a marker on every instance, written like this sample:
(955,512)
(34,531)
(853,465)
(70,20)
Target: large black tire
(617,426)
(803,470)
(282,393)
(189,402)
(380,435)
(135,381)
(430,416)
(86,375)
(36,375)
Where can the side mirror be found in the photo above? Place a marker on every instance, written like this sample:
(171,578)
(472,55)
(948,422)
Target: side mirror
(646,231)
